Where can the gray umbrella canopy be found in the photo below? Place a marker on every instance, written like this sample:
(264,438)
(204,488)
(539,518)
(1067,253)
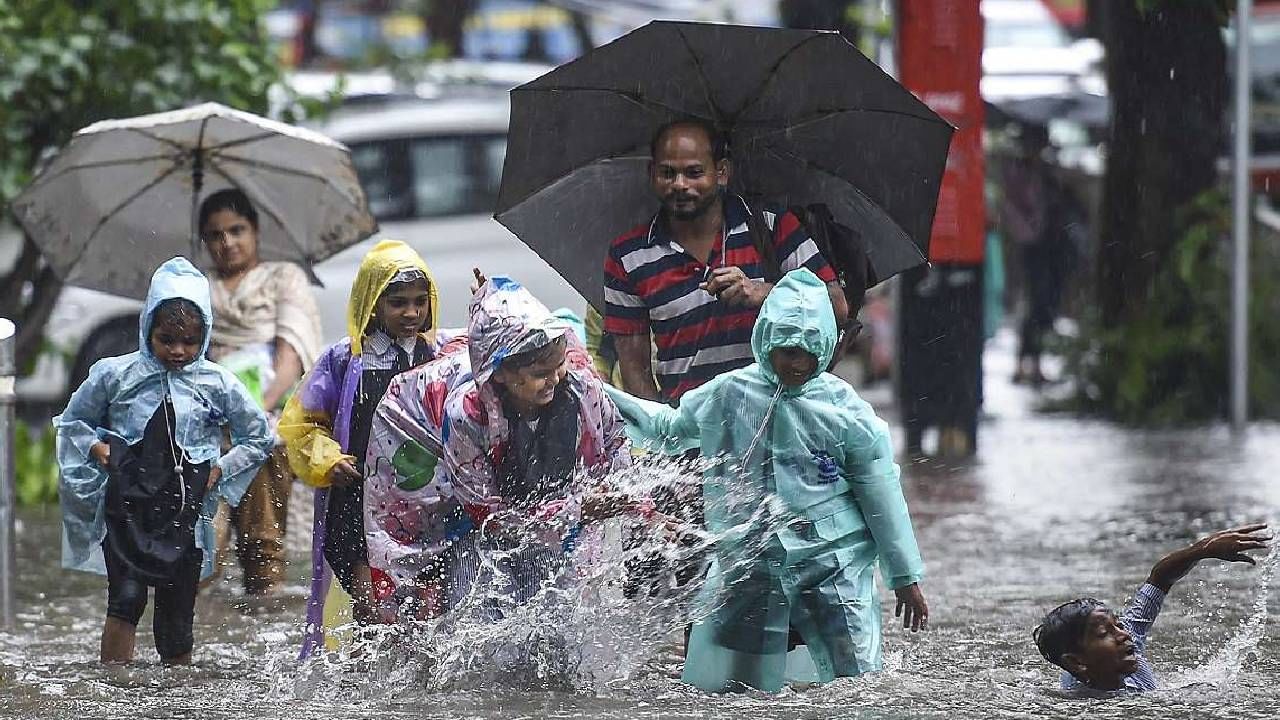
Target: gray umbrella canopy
(119,199)
(809,119)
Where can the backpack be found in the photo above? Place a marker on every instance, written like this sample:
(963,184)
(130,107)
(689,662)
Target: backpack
(840,245)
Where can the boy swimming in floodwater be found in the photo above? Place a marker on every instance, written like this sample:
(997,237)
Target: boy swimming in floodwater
(1099,650)
(803,506)
(142,468)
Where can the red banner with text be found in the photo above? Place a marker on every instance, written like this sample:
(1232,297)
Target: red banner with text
(940,60)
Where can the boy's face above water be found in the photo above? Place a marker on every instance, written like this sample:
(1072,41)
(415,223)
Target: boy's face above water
(794,366)
(402,311)
(1107,652)
(176,342)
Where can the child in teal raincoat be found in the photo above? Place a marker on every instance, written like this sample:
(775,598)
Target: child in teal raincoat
(804,502)
(142,467)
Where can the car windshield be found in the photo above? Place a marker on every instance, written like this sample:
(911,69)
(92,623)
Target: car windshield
(433,176)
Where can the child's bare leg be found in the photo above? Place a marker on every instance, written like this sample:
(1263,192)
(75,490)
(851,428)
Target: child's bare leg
(118,639)
(362,595)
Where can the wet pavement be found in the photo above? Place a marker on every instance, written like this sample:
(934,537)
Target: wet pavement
(1053,508)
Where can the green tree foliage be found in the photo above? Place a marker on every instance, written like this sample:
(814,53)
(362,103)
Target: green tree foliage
(67,63)
(1169,365)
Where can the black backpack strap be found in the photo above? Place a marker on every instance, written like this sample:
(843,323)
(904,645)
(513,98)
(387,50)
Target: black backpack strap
(762,238)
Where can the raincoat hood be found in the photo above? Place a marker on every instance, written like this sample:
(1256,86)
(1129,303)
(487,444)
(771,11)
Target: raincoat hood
(796,313)
(377,269)
(176,278)
(506,319)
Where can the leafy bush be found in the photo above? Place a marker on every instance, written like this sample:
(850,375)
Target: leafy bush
(1169,365)
(35,464)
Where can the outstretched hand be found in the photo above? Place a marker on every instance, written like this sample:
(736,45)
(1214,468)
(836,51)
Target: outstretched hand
(1230,545)
(479,280)
(916,615)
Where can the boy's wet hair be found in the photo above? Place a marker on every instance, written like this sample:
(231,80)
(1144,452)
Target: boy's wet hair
(519,361)
(177,310)
(719,143)
(231,199)
(1063,628)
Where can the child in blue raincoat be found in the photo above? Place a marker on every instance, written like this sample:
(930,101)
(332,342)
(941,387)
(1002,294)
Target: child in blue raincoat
(142,467)
(803,502)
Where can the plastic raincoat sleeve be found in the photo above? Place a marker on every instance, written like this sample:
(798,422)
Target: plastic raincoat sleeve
(308,432)
(251,440)
(874,479)
(659,427)
(83,480)
(469,467)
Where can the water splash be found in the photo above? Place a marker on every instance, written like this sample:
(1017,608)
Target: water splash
(1224,667)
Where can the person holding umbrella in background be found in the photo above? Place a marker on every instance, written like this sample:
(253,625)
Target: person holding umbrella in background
(266,329)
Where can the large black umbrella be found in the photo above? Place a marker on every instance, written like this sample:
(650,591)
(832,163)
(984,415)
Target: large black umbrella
(809,119)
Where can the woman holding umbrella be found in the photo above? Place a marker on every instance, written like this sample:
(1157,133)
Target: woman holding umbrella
(267,330)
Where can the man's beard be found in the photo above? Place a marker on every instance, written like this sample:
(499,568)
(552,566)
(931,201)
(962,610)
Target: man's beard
(699,208)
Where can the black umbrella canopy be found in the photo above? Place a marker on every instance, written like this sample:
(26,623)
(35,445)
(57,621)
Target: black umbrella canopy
(808,117)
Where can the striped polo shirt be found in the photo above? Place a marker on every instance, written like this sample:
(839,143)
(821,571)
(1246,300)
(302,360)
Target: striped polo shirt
(651,283)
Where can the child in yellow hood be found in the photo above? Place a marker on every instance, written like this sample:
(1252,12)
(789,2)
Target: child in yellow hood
(391,326)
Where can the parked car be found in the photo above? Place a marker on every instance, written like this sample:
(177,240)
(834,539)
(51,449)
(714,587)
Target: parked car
(1027,53)
(431,170)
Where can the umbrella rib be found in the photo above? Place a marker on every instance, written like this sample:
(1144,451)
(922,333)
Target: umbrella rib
(773,73)
(127,201)
(271,166)
(95,165)
(246,140)
(266,207)
(825,114)
(163,141)
(702,78)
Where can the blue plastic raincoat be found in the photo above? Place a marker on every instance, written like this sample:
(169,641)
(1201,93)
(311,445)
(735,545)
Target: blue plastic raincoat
(802,521)
(120,396)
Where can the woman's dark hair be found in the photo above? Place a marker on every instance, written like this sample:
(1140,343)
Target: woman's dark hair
(177,310)
(719,143)
(231,199)
(1063,628)
(519,361)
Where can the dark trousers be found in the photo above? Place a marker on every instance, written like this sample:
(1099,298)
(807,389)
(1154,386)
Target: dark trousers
(175,601)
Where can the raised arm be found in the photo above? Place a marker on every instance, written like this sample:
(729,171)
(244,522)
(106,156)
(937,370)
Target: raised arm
(660,427)
(1229,545)
(306,426)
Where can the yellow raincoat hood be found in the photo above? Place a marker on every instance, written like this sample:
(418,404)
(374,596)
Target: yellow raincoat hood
(377,269)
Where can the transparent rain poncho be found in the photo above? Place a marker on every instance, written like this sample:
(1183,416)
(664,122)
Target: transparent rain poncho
(803,501)
(122,393)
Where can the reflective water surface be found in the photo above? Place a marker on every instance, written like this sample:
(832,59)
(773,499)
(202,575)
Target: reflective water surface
(1053,508)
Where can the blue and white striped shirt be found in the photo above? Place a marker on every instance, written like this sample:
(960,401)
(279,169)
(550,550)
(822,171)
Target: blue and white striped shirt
(1137,620)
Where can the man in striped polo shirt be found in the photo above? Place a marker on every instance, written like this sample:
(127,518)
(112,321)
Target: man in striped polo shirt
(692,276)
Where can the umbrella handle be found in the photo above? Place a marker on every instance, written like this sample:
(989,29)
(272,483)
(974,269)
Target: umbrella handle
(197,184)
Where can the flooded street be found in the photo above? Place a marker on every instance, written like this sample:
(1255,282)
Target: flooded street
(1054,508)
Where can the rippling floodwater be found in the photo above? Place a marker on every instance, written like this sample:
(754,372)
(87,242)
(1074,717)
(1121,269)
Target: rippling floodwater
(1052,509)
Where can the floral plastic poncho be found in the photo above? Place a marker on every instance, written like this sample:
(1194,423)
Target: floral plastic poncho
(120,396)
(507,320)
(408,521)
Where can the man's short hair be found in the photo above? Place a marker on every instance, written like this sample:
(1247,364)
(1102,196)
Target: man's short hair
(719,143)
(1063,628)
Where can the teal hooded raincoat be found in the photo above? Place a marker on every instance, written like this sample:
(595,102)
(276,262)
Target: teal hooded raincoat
(120,396)
(803,521)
